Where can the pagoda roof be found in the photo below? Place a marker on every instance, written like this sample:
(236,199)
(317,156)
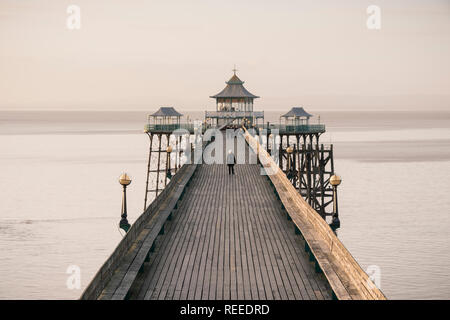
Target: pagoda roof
(166,112)
(234,89)
(297,112)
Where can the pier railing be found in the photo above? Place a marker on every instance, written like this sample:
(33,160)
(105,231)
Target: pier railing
(234,114)
(152,127)
(293,129)
(343,273)
(282,128)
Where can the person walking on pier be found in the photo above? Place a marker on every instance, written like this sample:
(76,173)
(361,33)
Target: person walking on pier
(231,161)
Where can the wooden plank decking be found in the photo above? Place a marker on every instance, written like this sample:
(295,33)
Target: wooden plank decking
(229,239)
(344,275)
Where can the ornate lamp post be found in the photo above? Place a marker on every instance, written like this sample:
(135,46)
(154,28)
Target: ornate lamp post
(335,180)
(124,180)
(169,172)
(289,169)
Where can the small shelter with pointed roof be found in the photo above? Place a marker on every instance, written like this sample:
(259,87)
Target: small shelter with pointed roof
(165,115)
(234,97)
(296,116)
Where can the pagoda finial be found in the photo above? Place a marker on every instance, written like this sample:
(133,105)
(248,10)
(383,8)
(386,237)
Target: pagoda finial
(234,69)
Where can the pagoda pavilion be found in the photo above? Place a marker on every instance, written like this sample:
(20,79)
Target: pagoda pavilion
(233,104)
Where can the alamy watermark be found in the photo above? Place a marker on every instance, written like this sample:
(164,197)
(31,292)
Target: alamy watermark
(73,281)
(212,146)
(374,273)
(374,19)
(73,21)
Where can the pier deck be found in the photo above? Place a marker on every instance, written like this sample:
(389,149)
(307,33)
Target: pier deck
(229,239)
(209,235)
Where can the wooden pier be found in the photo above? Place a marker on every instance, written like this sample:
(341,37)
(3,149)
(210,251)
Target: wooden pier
(211,235)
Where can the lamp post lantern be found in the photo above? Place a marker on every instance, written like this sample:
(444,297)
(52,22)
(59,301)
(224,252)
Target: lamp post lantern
(335,180)
(124,180)
(289,151)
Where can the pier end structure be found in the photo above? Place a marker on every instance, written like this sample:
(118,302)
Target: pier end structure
(234,104)
(294,143)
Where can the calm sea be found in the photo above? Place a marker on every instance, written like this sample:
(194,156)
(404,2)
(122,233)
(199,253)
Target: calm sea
(60,199)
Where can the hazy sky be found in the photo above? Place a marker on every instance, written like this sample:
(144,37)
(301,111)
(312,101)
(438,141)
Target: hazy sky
(131,55)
